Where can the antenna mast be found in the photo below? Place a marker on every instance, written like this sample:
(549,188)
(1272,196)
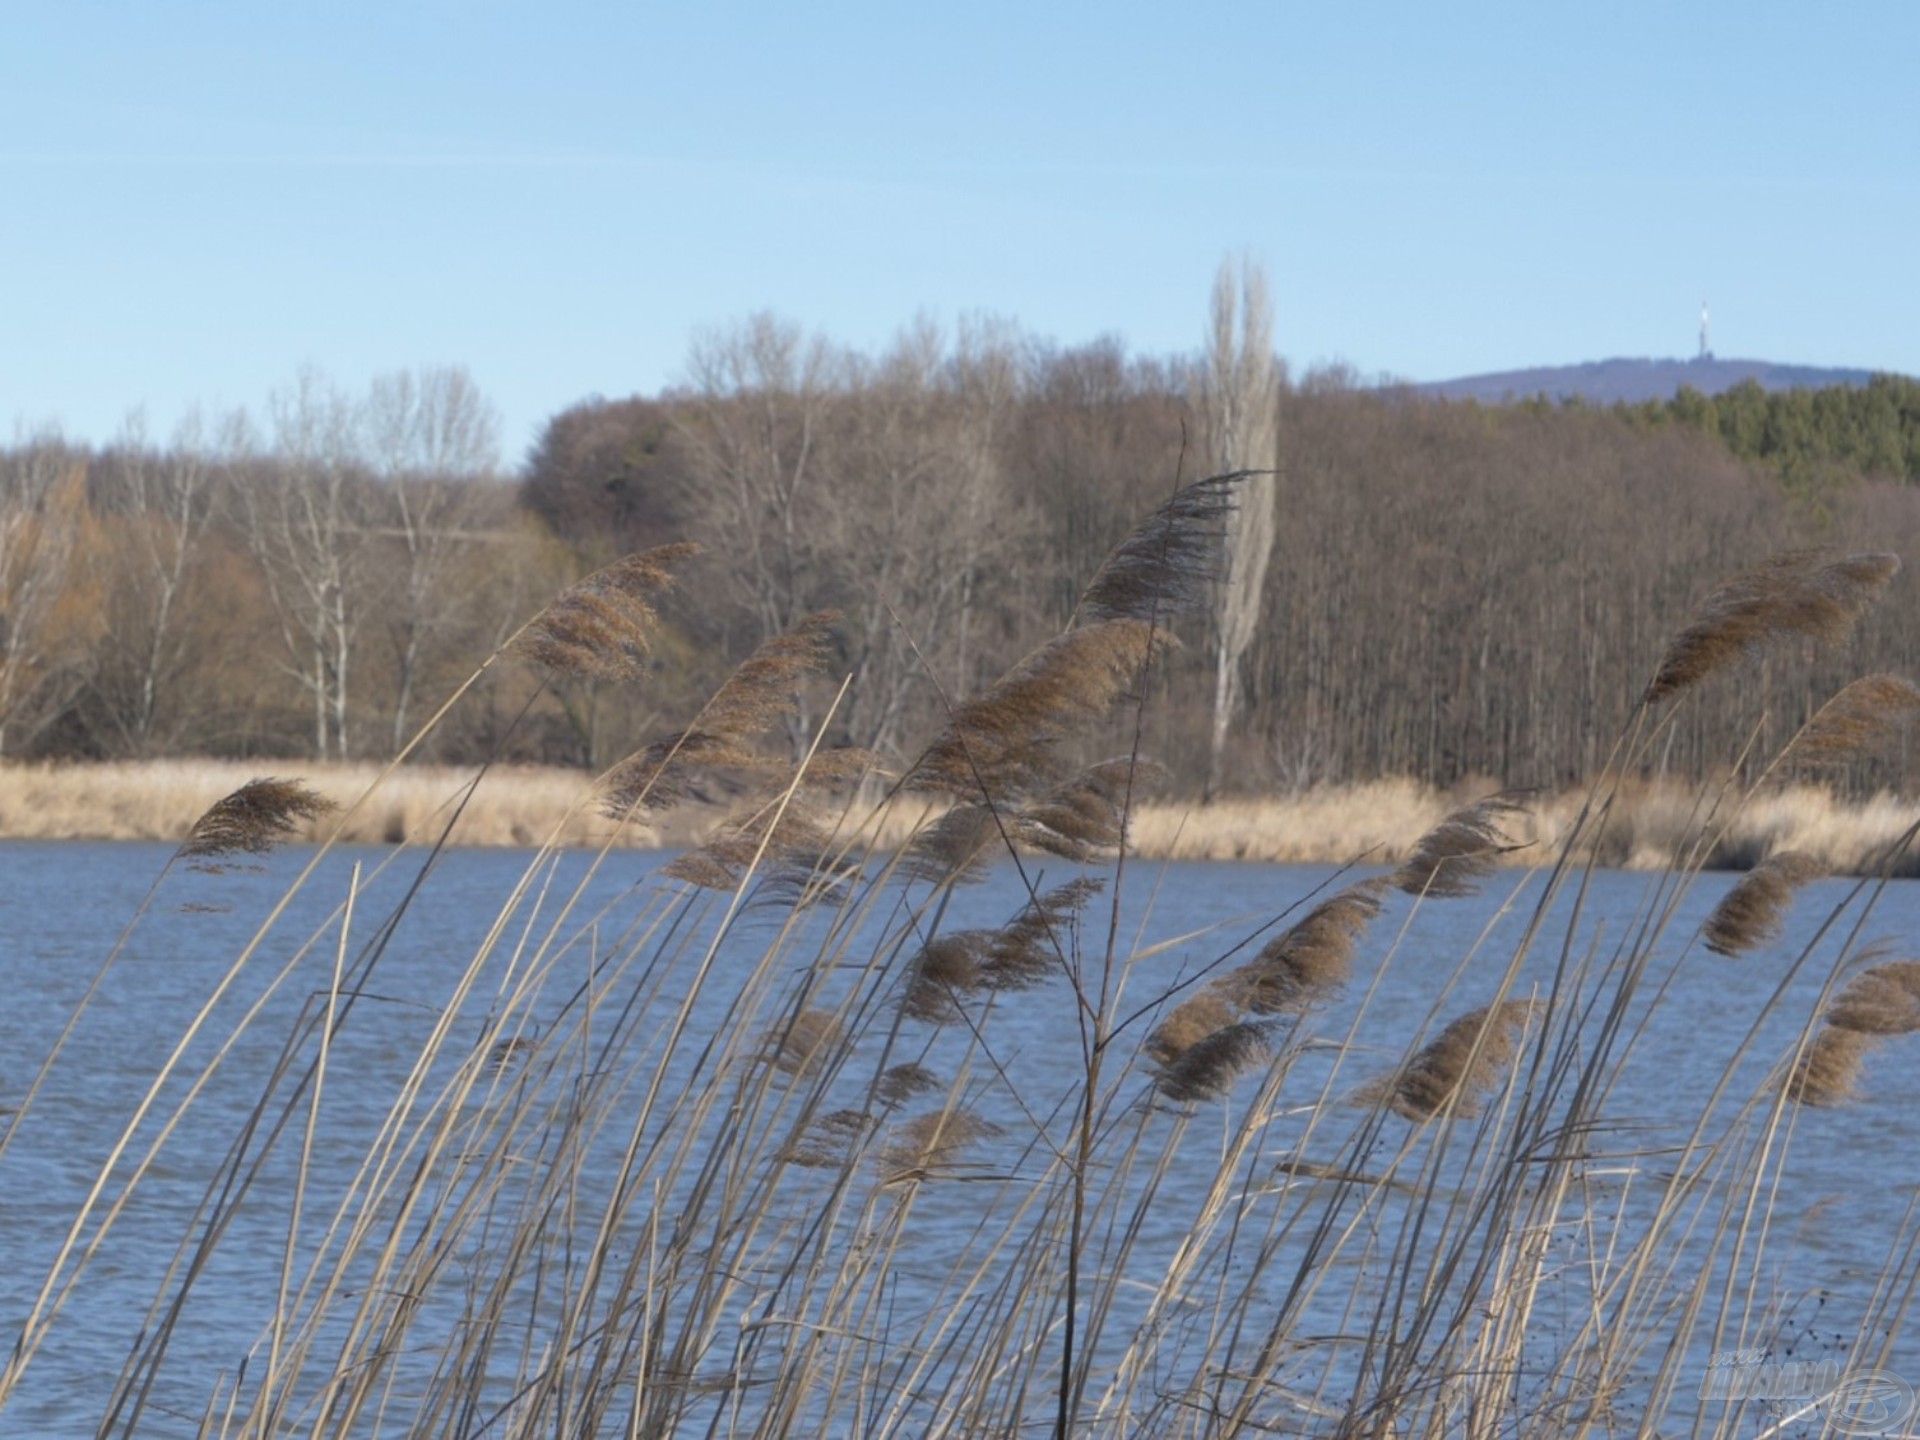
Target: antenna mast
(1706,346)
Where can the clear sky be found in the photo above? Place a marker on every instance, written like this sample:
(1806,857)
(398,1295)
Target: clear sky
(198,198)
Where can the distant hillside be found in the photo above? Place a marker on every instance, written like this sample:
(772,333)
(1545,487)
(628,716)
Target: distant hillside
(1633,382)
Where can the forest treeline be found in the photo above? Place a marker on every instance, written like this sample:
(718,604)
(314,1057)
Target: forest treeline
(1453,592)
(1811,439)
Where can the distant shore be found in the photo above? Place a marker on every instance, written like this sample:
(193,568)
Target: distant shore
(1375,821)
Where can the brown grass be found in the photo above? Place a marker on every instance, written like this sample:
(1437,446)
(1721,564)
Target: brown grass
(1377,822)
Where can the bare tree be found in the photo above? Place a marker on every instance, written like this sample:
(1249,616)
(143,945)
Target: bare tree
(428,435)
(303,518)
(160,501)
(1239,387)
(43,504)
(762,394)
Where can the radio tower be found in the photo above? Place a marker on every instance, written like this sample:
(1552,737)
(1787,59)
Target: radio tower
(1706,348)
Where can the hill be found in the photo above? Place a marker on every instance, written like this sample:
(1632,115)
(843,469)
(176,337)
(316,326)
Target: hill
(1635,381)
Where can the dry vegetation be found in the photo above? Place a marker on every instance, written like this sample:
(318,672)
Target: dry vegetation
(1380,822)
(765,1161)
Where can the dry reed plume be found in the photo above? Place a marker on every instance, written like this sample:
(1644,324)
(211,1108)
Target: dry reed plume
(1028,950)
(1086,817)
(1304,964)
(1313,958)
(1805,593)
(1881,1000)
(1828,1070)
(1457,854)
(1003,741)
(803,1042)
(1754,911)
(929,1143)
(602,627)
(1166,564)
(1453,1073)
(1209,1067)
(829,1140)
(1865,717)
(716,756)
(901,1083)
(254,819)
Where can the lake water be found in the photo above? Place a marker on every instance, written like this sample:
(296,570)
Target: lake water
(1849,1177)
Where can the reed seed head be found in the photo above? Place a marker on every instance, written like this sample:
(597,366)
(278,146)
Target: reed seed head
(828,1141)
(1003,740)
(796,1046)
(1828,1070)
(901,1083)
(919,1148)
(1882,1000)
(1753,912)
(956,847)
(1205,1011)
(946,970)
(1209,1068)
(1167,562)
(1313,958)
(715,757)
(1805,593)
(1453,1073)
(1457,854)
(1863,719)
(602,627)
(254,818)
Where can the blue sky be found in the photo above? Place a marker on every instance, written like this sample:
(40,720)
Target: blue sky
(199,198)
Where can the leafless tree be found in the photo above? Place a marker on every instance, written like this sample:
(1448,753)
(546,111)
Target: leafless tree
(1239,394)
(304,520)
(429,435)
(42,506)
(160,501)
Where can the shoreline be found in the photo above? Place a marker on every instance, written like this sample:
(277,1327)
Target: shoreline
(523,806)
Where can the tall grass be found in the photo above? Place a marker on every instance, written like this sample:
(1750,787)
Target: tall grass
(764,1150)
(1648,824)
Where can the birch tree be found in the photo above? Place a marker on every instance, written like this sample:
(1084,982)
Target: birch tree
(426,435)
(162,502)
(303,518)
(1239,384)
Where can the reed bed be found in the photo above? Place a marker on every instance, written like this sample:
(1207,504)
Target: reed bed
(521,806)
(761,1147)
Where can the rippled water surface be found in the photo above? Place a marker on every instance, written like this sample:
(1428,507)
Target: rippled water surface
(1851,1172)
